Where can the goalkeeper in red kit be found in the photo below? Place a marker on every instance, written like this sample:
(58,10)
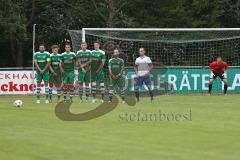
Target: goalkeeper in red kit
(218,69)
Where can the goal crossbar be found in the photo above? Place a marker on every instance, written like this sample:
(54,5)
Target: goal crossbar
(156,29)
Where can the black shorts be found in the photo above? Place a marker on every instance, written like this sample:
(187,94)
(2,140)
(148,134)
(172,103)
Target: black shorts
(220,75)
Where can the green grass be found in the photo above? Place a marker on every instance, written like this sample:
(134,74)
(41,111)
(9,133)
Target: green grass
(33,132)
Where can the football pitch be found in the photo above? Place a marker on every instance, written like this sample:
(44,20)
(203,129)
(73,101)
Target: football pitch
(194,127)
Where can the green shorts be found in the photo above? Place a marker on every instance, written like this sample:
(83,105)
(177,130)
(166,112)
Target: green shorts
(100,77)
(120,82)
(68,77)
(44,77)
(81,76)
(88,77)
(94,77)
(55,79)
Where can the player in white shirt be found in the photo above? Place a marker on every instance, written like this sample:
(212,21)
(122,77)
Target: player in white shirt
(143,67)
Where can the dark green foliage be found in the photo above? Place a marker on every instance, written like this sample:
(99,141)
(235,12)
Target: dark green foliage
(18,16)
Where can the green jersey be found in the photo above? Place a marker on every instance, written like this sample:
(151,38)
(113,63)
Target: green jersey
(42,59)
(84,56)
(97,57)
(116,65)
(68,60)
(55,61)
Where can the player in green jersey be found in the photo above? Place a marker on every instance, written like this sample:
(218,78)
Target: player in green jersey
(67,69)
(42,62)
(83,60)
(55,78)
(98,59)
(116,79)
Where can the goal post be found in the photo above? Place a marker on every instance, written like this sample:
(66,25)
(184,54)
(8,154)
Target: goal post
(180,55)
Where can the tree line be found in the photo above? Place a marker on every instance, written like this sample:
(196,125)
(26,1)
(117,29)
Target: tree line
(53,16)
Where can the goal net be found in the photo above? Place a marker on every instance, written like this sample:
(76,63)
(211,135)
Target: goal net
(180,56)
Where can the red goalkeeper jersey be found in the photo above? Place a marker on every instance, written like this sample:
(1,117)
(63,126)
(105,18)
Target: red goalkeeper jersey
(218,68)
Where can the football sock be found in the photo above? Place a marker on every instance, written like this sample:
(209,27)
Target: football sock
(50,93)
(137,95)
(151,94)
(122,95)
(102,90)
(71,93)
(225,89)
(110,95)
(38,93)
(58,93)
(94,90)
(47,92)
(210,88)
(64,93)
(87,89)
(80,92)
